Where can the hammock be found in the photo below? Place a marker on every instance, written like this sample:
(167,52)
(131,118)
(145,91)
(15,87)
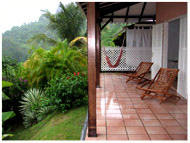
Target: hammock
(117,62)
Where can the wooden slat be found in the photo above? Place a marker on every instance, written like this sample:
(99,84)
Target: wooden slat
(91,23)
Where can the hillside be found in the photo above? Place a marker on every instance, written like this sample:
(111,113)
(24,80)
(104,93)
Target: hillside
(57,126)
(14,41)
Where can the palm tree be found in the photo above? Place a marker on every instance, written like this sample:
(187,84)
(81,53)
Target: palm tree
(42,40)
(80,44)
(44,65)
(68,22)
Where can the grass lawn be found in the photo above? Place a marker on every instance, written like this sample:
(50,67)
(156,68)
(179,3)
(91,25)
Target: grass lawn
(56,126)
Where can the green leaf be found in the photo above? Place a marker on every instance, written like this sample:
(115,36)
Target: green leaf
(7,115)
(6,135)
(6,84)
(5,97)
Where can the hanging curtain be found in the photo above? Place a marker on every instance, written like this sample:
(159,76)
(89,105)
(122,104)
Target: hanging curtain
(139,38)
(139,46)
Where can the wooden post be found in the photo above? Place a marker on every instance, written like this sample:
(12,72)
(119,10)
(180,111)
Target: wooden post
(97,48)
(91,25)
(100,47)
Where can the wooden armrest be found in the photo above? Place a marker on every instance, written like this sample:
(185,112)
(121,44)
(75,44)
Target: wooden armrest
(148,82)
(130,75)
(150,90)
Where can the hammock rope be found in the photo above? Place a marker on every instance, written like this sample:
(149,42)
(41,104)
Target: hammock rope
(118,60)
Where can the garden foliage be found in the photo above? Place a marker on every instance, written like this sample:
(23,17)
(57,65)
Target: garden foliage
(6,115)
(44,65)
(67,91)
(54,77)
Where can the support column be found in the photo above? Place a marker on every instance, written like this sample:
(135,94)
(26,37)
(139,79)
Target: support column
(100,47)
(97,48)
(91,25)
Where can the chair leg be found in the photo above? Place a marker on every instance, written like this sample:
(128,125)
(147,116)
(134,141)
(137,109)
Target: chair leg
(163,99)
(128,79)
(140,81)
(142,96)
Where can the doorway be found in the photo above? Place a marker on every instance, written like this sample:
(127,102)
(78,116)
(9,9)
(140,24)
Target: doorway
(173,46)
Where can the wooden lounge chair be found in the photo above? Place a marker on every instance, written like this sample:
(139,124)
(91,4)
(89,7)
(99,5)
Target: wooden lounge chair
(160,85)
(140,72)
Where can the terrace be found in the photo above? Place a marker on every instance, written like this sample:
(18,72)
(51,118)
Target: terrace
(122,115)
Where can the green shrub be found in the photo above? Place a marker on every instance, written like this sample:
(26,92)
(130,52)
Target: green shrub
(67,91)
(33,108)
(11,72)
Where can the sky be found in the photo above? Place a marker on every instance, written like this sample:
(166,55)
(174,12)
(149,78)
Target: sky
(18,12)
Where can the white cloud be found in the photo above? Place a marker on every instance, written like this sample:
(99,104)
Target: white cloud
(18,12)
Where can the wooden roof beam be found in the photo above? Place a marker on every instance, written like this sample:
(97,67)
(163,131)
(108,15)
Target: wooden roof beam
(106,4)
(130,16)
(115,7)
(106,23)
(142,11)
(127,13)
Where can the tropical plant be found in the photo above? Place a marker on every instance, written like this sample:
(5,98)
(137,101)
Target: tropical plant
(67,91)
(43,65)
(80,44)
(68,22)
(109,32)
(5,84)
(42,40)
(6,115)
(32,107)
(120,39)
(8,66)
(11,72)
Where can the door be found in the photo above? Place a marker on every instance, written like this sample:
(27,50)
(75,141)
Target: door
(182,65)
(157,36)
(173,44)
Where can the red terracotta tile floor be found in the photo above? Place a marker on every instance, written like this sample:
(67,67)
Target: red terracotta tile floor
(122,115)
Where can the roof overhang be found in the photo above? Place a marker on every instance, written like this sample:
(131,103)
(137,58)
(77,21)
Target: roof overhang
(124,12)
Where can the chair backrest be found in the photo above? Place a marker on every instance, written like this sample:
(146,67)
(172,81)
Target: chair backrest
(144,67)
(164,79)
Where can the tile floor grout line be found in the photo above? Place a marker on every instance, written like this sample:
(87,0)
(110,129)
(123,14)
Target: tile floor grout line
(159,121)
(105,97)
(122,116)
(141,120)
